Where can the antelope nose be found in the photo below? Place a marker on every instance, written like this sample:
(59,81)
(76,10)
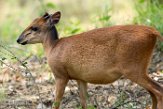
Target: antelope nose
(18,41)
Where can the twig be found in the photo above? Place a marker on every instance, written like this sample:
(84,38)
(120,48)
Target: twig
(97,105)
(9,66)
(26,69)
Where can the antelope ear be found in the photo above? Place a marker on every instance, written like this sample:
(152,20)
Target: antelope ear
(46,16)
(56,17)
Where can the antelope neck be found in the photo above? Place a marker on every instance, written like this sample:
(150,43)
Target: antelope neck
(50,39)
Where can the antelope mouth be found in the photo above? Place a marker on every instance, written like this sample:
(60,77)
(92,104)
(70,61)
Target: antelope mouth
(24,43)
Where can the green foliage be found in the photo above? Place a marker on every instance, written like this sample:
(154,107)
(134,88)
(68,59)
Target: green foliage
(131,105)
(15,22)
(2,95)
(102,19)
(50,5)
(89,107)
(46,7)
(73,26)
(151,14)
(9,30)
(121,99)
(56,104)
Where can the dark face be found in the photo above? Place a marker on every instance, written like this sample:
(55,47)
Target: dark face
(36,31)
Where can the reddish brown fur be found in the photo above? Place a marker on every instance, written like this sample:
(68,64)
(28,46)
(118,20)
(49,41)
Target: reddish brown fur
(102,56)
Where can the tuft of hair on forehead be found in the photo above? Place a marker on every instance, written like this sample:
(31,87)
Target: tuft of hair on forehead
(46,15)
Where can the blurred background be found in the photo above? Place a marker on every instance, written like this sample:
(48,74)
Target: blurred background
(77,16)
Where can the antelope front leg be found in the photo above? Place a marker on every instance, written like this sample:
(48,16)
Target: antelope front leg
(60,88)
(83,93)
(160,102)
(154,100)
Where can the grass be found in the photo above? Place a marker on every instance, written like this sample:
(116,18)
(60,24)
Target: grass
(150,13)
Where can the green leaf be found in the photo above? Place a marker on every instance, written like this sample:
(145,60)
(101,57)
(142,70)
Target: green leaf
(50,5)
(56,104)
(3,58)
(13,58)
(75,30)
(25,63)
(141,1)
(104,18)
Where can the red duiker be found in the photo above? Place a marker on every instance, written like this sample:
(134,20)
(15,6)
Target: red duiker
(99,56)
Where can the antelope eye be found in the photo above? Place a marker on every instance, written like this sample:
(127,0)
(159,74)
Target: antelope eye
(34,28)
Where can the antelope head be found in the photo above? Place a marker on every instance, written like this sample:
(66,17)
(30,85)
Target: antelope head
(37,30)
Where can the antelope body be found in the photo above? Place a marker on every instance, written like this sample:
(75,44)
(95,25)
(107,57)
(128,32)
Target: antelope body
(99,56)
